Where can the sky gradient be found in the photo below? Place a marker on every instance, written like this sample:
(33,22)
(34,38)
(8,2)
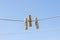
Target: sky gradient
(20,9)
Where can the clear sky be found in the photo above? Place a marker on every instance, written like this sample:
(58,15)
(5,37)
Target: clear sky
(20,9)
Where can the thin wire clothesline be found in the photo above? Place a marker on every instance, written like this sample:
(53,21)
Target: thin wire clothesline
(23,21)
(32,20)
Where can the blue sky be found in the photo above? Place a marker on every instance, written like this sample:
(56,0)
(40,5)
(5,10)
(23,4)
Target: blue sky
(20,9)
